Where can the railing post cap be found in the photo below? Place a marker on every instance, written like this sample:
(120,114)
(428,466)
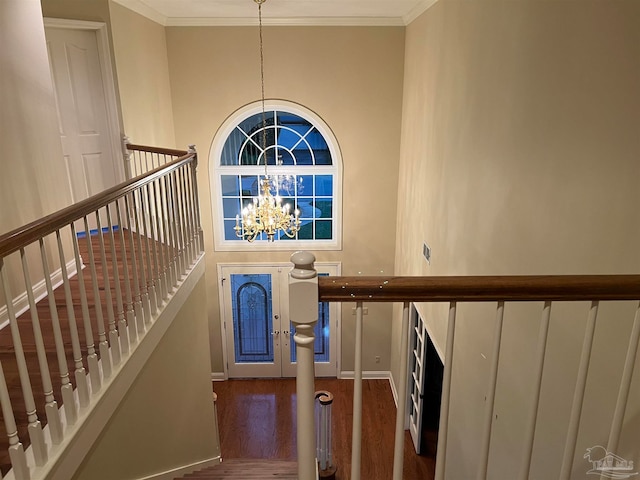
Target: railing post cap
(303,265)
(192,148)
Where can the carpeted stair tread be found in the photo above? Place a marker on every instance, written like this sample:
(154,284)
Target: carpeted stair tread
(248,469)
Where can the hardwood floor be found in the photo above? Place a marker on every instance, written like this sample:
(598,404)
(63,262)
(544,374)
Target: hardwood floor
(257,419)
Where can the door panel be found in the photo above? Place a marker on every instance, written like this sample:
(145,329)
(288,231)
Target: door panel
(82,111)
(252,339)
(259,337)
(418,334)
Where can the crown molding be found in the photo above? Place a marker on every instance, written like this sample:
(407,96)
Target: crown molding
(418,10)
(286,22)
(144,10)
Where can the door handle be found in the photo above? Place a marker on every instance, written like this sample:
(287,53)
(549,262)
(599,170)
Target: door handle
(276,316)
(286,332)
(275,332)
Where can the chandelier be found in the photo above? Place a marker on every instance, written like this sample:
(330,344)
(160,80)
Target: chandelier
(266,214)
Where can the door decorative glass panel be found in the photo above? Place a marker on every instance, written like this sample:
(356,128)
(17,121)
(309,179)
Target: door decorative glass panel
(256,324)
(252,318)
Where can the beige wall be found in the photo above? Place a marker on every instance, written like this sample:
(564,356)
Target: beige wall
(352,78)
(90,10)
(166,419)
(33,182)
(520,156)
(143,78)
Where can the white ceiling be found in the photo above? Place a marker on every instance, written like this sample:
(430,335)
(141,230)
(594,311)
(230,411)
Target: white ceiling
(279,12)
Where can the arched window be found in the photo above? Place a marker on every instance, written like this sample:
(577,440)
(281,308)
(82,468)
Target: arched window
(303,160)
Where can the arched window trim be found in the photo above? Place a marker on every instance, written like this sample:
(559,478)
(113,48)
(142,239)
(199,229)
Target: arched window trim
(216,170)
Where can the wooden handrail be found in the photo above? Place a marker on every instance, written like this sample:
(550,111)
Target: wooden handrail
(479,288)
(160,150)
(21,237)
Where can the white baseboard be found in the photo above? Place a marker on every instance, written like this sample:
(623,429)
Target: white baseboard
(21,302)
(184,470)
(218,376)
(394,391)
(368,374)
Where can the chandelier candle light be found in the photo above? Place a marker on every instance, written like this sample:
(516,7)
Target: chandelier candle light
(266,214)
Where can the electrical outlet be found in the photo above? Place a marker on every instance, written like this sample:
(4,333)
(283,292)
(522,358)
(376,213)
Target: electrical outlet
(426,252)
(377,358)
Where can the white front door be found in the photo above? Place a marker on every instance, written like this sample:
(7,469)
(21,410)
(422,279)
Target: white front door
(259,338)
(82,111)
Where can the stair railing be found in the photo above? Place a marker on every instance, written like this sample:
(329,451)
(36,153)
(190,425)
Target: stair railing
(460,290)
(110,263)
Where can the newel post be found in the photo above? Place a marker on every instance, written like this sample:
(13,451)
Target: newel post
(127,157)
(303,311)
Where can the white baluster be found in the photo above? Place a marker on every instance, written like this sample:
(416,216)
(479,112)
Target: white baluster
(153,244)
(150,281)
(171,232)
(578,394)
(92,357)
(443,429)
(51,406)
(175,226)
(181,221)
(303,308)
(106,366)
(127,333)
(16,450)
(193,234)
(159,243)
(66,389)
(166,234)
(533,415)
(70,408)
(398,451)
(144,292)
(188,233)
(356,430)
(491,394)
(183,225)
(137,303)
(35,429)
(119,321)
(103,346)
(625,385)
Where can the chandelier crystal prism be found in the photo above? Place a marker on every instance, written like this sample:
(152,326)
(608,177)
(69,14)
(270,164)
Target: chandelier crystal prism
(266,214)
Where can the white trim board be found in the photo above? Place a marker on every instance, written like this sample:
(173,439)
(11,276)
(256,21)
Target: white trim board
(143,9)
(21,302)
(218,376)
(394,390)
(178,472)
(368,374)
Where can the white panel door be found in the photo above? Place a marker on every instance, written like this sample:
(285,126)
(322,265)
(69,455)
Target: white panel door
(82,111)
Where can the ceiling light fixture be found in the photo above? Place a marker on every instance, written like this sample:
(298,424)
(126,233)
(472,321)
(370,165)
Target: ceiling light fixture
(266,214)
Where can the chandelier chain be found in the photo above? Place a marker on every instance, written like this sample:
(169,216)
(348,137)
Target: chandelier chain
(264,115)
(266,214)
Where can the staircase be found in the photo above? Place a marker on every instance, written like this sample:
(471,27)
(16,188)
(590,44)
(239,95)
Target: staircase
(248,469)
